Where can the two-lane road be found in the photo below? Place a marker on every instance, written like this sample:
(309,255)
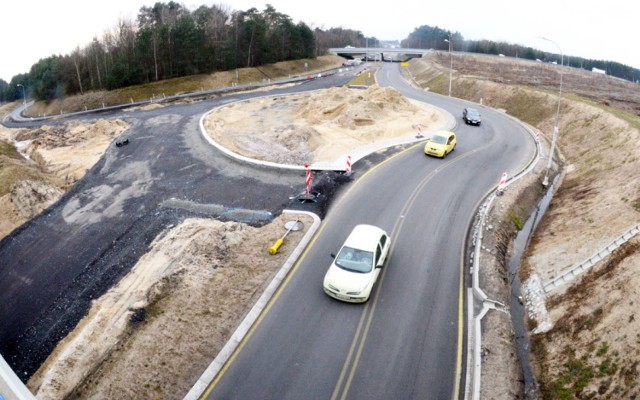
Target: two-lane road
(407,342)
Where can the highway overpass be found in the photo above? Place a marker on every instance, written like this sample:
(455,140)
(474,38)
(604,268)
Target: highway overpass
(379,53)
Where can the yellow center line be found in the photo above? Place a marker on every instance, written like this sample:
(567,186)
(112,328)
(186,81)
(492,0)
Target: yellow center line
(369,312)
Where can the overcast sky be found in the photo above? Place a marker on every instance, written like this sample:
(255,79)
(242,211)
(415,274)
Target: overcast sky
(605,30)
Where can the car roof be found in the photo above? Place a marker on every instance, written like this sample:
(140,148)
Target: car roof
(364,237)
(470,109)
(444,134)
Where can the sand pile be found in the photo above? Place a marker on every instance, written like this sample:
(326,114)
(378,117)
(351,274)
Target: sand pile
(321,126)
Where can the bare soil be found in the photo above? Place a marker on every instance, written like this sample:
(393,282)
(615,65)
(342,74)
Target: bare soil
(321,127)
(591,350)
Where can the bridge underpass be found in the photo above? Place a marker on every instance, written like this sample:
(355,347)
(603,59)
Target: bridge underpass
(378,53)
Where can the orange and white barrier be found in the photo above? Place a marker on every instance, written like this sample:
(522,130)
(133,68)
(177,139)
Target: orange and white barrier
(503,183)
(309,178)
(418,129)
(348,170)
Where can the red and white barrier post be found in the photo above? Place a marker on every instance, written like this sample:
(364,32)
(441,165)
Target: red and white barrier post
(418,128)
(348,169)
(309,178)
(502,184)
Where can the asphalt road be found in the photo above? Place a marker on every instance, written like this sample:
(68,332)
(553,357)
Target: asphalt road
(408,341)
(53,266)
(405,343)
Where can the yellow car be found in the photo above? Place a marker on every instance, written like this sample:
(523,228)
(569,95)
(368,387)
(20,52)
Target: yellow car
(440,144)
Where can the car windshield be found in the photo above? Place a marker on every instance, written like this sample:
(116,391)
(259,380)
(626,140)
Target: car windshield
(438,139)
(471,112)
(355,260)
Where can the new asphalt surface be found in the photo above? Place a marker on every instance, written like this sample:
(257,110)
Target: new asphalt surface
(53,266)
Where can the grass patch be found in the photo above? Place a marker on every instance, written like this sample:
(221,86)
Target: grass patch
(515,219)
(8,150)
(12,171)
(366,78)
(530,109)
(602,350)
(439,84)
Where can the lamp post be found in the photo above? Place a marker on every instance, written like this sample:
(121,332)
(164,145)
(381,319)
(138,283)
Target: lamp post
(545,182)
(450,63)
(24,96)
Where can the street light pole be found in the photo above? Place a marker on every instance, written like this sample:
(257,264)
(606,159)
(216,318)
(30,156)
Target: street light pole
(450,63)
(24,96)
(545,182)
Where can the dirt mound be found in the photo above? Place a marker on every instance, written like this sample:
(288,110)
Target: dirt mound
(320,126)
(52,136)
(51,159)
(351,108)
(159,328)
(69,150)
(29,198)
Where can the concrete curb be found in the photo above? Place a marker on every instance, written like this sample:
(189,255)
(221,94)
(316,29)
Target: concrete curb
(216,365)
(11,387)
(340,163)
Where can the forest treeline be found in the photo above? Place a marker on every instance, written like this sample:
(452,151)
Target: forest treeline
(427,37)
(169,41)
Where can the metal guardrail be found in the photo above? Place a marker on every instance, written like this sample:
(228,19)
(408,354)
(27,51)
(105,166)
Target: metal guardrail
(584,266)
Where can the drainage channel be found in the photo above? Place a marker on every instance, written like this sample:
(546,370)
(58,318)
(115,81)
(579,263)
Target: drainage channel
(518,311)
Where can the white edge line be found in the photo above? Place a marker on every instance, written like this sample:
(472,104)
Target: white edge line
(225,353)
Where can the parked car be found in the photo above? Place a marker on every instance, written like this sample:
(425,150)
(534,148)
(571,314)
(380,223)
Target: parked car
(354,271)
(471,116)
(441,144)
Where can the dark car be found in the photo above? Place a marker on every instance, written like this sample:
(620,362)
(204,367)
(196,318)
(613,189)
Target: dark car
(471,116)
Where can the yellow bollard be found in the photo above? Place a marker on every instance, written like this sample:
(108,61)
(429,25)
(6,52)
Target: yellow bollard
(290,226)
(274,249)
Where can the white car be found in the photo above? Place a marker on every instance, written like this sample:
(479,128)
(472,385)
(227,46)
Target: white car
(355,269)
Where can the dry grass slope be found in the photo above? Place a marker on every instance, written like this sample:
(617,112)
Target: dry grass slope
(195,83)
(591,352)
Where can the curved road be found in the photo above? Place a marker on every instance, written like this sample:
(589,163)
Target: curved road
(407,341)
